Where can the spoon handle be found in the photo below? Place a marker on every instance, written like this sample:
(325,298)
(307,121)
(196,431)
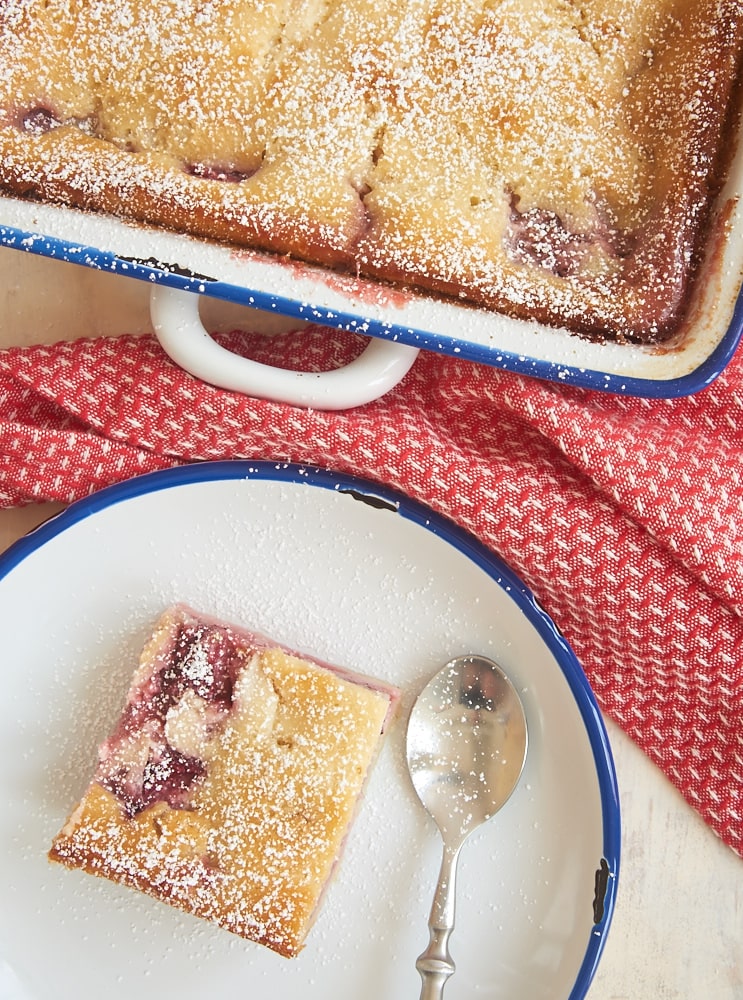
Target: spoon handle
(435,964)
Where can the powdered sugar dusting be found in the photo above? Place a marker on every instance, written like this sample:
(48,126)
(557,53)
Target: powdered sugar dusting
(413,141)
(243,821)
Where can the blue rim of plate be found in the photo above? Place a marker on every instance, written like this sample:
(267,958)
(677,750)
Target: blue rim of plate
(460,539)
(159,273)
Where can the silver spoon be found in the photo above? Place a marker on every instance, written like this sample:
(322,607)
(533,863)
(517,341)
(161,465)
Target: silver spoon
(466,747)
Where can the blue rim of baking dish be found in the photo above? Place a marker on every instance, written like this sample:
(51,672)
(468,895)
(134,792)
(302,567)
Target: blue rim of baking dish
(379,496)
(156,272)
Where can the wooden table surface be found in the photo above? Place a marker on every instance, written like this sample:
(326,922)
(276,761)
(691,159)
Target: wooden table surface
(677,932)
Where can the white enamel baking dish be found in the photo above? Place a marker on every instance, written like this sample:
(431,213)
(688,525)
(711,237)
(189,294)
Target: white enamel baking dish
(399,324)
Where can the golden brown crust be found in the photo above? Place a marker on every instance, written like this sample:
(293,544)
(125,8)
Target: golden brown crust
(551,160)
(232,805)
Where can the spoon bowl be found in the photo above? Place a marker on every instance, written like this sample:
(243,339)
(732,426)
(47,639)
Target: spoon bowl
(466,748)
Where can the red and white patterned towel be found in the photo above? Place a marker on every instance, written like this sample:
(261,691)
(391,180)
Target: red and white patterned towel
(624,516)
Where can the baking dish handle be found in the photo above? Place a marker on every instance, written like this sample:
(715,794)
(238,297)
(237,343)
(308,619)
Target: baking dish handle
(178,327)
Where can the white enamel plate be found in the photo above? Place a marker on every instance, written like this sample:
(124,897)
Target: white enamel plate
(351,573)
